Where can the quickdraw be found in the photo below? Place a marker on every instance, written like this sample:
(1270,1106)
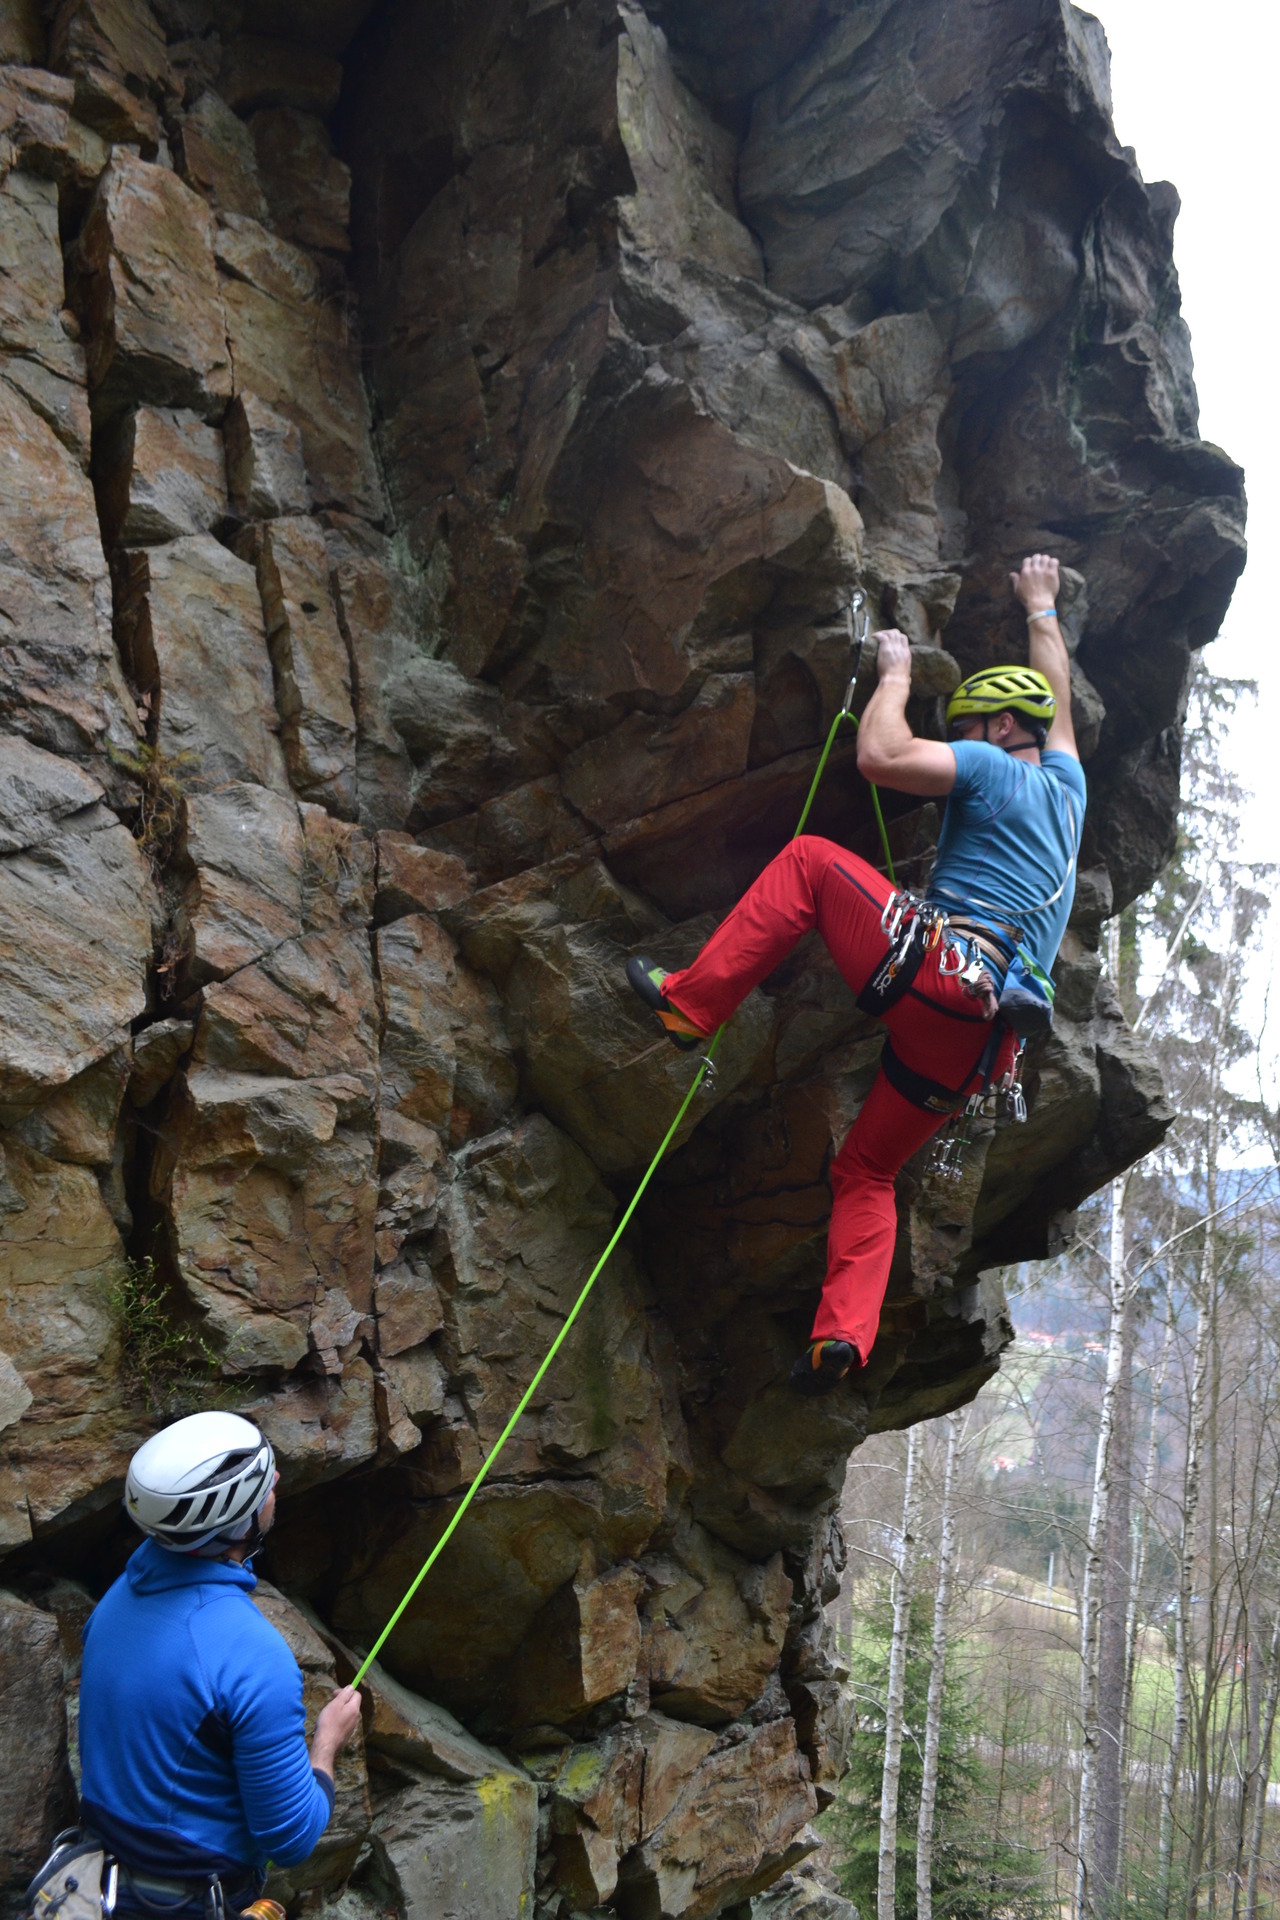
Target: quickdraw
(913,928)
(859,630)
(946,1162)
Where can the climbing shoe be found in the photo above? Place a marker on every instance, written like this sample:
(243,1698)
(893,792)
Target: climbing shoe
(646,977)
(823,1367)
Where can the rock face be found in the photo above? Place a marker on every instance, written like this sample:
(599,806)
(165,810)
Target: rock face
(429,514)
(36,1795)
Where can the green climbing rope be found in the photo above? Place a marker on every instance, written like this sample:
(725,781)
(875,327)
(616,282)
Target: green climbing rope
(704,1064)
(554,1349)
(844,714)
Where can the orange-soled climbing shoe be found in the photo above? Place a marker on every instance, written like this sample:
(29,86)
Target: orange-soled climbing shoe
(823,1367)
(645,978)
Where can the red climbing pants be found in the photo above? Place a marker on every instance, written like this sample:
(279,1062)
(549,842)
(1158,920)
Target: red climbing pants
(937,1029)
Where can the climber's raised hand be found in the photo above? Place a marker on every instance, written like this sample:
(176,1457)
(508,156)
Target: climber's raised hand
(1037,584)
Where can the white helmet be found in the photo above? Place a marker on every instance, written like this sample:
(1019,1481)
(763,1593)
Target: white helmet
(199,1485)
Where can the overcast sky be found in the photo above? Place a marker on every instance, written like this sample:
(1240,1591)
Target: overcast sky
(1195,93)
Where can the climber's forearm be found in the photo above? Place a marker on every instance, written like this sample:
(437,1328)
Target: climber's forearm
(888,752)
(1038,586)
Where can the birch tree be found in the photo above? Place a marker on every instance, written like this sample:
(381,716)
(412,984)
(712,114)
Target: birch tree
(1262,1728)
(1087,1894)
(1138,1569)
(1214,1058)
(1112,1624)
(903,1582)
(1260,1774)
(1104,1603)
(937,1676)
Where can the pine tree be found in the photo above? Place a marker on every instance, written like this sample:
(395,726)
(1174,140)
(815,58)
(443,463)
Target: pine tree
(978,1873)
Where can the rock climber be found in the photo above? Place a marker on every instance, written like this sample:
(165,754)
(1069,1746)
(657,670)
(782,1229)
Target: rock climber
(933,970)
(194,1768)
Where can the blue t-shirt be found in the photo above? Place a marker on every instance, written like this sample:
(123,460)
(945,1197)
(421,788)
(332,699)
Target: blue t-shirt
(191,1723)
(1009,841)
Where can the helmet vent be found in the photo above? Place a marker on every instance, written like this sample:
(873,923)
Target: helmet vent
(196,1484)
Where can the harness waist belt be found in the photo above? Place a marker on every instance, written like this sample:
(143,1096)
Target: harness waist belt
(988,935)
(158,1886)
(985,942)
(215,1894)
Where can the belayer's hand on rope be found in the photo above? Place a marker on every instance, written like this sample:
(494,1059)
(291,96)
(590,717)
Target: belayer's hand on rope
(337,1721)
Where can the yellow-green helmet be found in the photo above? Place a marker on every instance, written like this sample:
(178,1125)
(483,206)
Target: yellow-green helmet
(1004,690)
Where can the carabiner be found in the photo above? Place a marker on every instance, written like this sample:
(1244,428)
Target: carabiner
(946,1162)
(859,627)
(959,959)
(896,909)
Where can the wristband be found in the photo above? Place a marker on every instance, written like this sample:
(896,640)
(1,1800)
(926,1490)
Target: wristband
(1045,613)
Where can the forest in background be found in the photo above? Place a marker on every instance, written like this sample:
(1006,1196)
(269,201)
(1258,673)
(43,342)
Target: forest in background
(1061,1612)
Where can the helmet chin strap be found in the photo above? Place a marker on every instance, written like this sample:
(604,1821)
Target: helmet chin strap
(255,1541)
(247,1545)
(1023,746)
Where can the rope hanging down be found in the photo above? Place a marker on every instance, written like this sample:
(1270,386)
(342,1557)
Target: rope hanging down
(856,608)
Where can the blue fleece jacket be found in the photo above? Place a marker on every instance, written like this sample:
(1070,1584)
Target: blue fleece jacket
(192,1745)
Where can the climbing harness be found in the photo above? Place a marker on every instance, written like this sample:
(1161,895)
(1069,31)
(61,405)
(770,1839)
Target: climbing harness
(907,921)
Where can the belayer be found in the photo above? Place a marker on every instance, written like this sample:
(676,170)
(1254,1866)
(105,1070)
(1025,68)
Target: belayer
(194,1767)
(957,977)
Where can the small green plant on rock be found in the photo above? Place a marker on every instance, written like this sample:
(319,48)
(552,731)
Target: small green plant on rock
(164,1364)
(158,778)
